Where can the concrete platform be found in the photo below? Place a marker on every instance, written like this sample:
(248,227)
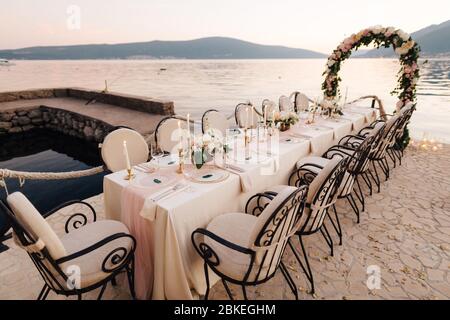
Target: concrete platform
(143,122)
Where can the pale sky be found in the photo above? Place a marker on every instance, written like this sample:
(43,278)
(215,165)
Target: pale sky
(317,24)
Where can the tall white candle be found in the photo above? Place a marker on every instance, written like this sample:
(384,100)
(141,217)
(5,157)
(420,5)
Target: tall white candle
(265,115)
(273,117)
(246,118)
(188,131)
(127,157)
(253,115)
(180,135)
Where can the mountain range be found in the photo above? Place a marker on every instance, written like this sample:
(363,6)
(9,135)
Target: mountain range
(204,48)
(434,41)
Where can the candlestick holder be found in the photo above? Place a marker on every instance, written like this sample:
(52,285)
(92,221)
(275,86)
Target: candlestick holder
(130,175)
(180,169)
(247,144)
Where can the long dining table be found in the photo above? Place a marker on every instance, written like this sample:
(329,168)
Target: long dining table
(166,265)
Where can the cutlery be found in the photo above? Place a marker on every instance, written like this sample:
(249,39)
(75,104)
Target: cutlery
(174,192)
(235,168)
(319,127)
(166,193)
(304,136)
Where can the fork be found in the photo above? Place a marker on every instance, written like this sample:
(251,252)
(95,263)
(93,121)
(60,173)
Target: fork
(166,193)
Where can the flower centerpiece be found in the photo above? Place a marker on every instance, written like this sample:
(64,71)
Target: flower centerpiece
(331,107)
(283,120)
(206,146)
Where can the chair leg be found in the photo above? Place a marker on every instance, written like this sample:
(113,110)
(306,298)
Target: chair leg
(79,296)
(336,225)
(377,177)
(102,291)
(307,269)
(244,292)
(205,267)
(44,292)
(384,167)
(366,179)
(391,155)
(130,276)
(113,281)
(360,197)
(354,206)
(227,289)
(289,280)
(327,237)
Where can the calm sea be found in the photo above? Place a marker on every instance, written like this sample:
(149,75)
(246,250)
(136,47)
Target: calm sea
(197,85)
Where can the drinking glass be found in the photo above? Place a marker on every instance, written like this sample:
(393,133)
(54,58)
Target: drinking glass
(156,153)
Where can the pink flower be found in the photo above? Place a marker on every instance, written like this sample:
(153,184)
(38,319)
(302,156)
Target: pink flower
(366,32)
(407,69)
(388,34)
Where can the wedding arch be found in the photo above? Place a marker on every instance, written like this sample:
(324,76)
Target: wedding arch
(407,49)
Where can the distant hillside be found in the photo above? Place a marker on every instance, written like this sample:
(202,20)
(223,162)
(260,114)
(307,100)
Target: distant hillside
(205,48)
(434,40)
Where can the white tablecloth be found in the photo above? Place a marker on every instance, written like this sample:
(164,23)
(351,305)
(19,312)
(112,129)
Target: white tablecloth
(178,269)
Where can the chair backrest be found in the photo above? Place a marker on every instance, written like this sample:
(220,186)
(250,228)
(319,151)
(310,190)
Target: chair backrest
(112,149)
(214,120)
(32,233)
(268,107)
(300,100)
(276,223)
(244,117)
(387,138)
(322,193)
(35,224)
(285,104)
(166,133)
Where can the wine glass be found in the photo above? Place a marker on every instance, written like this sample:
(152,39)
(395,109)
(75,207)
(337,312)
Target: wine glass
(156,153)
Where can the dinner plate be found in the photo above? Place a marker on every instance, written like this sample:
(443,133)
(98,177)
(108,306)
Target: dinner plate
(166,161)
(207,174)
(291,140)
(153,180)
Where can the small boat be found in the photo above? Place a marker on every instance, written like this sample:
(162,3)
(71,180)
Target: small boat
(5,63)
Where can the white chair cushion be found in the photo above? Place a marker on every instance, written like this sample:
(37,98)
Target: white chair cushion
(302,102)
(35,224)
(234,227)
(167,135)
(112,149)
(91,264)
(286,104)
(244,117)
(214,120)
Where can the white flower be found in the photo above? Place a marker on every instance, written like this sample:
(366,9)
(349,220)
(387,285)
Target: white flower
(403,35)
(377,29)
(390,30)
(330,63)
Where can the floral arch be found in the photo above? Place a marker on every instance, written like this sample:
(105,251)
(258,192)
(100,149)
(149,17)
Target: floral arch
(404,46)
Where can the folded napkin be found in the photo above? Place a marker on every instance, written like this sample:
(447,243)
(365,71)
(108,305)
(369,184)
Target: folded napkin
(245,179)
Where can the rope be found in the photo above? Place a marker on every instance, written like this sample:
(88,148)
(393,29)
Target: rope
(22,175)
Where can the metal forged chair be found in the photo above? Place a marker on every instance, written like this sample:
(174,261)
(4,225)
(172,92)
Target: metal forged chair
(112,149)
(89,256)
(286,104)
(214,120)
(268,107)
(300,101)
(167,135)
(246,249)
(395,150)
(243,115)
(356,160)
(379,155)
(322,194)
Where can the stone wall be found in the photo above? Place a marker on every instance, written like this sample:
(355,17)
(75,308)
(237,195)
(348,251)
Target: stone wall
(70,123)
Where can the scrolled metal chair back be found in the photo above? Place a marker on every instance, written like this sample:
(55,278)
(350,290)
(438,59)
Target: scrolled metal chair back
(272,238)
(49,270)
(323,192)
(239,112)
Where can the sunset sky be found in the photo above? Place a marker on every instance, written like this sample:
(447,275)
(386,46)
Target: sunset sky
(317,25)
